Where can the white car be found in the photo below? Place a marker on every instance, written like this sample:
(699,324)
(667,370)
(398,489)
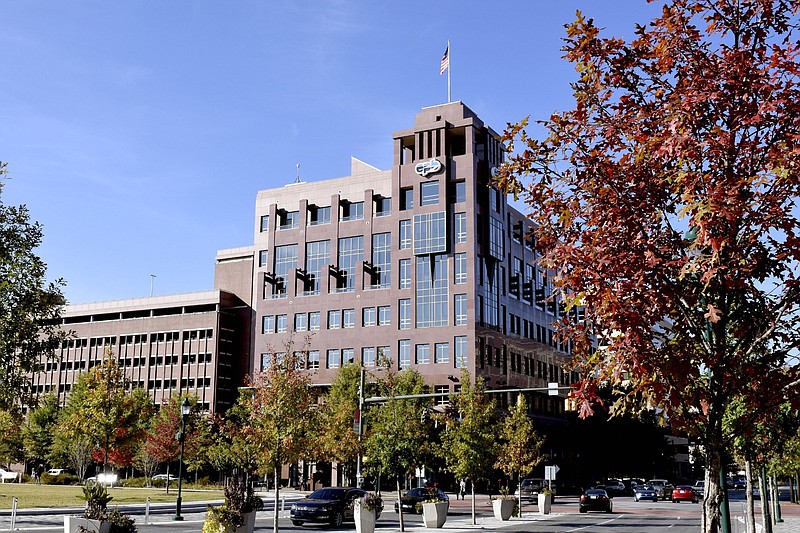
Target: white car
(56,471)
(164,476)
(6,475)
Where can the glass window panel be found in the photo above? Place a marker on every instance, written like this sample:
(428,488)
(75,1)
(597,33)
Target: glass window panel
(405,234)
(461,227)
(281,323)
(334,358)
(285,263)
(313,359)
(384,315)
(368,316)
(317,260)
(368,356)
(405,273)
(461,351)
(430,233)
(348,356)
(405,313)
(313,321)
(381,260)
(334,319)
(432,292)
(422,354)
(268,324)
(460,261)
(348,318)
(460,309)
(442,352)
(429,193)
(404,354)
(351,256)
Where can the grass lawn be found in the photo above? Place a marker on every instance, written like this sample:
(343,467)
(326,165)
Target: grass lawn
(32,495)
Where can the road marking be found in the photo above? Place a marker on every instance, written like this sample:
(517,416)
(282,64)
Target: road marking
(595,525)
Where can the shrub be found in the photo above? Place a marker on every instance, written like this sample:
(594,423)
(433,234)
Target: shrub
(137,482)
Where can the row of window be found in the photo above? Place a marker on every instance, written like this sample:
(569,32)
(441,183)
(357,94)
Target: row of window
(141,338)
(423,354)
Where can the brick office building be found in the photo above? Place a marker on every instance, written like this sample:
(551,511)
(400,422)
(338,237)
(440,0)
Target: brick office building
(425,264)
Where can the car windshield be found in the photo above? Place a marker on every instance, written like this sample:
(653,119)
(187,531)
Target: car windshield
(595,491)
(418,492)
(644,487)
(327,494)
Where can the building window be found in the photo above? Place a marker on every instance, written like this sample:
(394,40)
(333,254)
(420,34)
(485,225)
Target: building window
(281,323)
(405,273)
(352,210)
(317,259)
(368,356)
(264,223)
(459,192)
(288,219)
(300,322)
(268,324)
(404,354)
(351,256)
(444,390)
(383,206)
(285,263)
(262,258)
(334,319)
(405,234)
(334,358)
(407,199)
(319,215)
(429,193)
(266,363)
(432,291)
(422,354)
(460,309)
(368,316)
(460,222)
(384,315)
(348,318)
(442,352)
(430,233)
(381,260)
(313,359)
(496,239)
(384,354)
(348,356)
(460,261)
(313,321)
(405,313)
(461,351)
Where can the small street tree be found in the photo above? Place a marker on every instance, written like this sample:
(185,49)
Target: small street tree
(519,449)
(665,202)
(469,441)
(338,441)
(38,433)
(30,306)
(397,439)
(279,411)
(160,440)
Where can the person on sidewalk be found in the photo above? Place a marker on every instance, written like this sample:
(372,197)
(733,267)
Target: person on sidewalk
(462,488)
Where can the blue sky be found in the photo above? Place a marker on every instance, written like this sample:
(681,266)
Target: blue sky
(138,133)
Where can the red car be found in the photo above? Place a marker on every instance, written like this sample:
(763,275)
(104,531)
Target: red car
(684,493)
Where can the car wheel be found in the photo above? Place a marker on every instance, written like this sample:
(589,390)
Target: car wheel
(655,500)
(609,508)
(337,519)
(583,510)
(297,522)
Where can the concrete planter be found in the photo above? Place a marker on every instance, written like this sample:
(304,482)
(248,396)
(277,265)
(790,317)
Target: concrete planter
(435,514)
(364,519)
(76,524)
(503,508)
(545,501)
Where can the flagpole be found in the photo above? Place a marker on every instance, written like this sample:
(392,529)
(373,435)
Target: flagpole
(449,66)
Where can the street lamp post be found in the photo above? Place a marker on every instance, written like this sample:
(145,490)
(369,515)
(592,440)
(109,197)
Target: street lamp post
(181,436)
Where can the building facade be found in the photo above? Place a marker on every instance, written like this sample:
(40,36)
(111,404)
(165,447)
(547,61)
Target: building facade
(424,265)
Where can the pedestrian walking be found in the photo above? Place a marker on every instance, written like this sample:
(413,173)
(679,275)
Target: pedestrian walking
(462,488)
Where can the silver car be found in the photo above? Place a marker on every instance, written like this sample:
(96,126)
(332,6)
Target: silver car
(663,487)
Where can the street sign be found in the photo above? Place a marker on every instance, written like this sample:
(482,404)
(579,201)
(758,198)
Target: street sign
(552,389)
(550,472)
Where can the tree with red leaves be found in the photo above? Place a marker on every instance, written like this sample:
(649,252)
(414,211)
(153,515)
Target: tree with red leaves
(160,439)
(665,203)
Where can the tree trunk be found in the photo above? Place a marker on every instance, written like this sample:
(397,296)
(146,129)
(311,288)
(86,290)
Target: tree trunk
(713,493)
(519,491)
(472,488)
(751,513)
(400,505)
(766,521)
(276,478)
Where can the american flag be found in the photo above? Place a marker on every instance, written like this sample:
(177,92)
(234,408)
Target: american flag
(445,60)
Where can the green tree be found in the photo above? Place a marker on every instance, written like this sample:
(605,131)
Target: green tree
(397,439)
(30,307)
(519,449)
(279,414)
(338,441)
(103,409)
(665,203)
(10,437)
(38,434)
(469,442)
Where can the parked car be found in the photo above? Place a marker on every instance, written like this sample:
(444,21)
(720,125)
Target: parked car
(595,500)
(663,487)
(411,499)
(6,475)
(56,471)
(615,487)
(684,493)
(531,487)
(331,505)
(102,479)
(739,483)
(645,492)
(165,476)
(699,488)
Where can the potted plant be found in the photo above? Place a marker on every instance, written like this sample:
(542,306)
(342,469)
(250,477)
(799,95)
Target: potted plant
(97,518)
(366,511)
(434,509)
(545,500)
(504,505)
(237,514)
